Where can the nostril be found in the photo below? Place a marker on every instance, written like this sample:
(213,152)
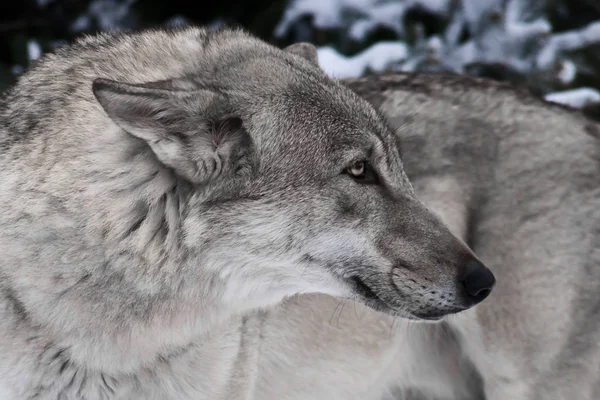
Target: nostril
(480,296)
(478,281)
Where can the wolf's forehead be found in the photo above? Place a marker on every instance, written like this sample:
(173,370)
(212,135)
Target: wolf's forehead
(319,134)
(329,104)
(329,118)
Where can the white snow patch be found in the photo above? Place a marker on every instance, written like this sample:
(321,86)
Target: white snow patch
(387,15)
(366,14)
(567,72)
(576,98)
(376,58)
(326,13)
(34,51)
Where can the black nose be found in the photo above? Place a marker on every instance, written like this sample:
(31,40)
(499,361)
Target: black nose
(478,281)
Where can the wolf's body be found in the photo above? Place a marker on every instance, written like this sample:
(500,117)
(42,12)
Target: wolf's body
(161,192)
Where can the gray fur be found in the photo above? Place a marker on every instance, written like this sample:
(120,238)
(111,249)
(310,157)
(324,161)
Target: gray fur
(162,192)
(519,180)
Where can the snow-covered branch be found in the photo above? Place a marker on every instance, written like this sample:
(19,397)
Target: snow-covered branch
(576,98)
(516,34)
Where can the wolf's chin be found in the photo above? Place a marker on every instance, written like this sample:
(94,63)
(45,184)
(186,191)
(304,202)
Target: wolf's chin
(364,294)
(369,297)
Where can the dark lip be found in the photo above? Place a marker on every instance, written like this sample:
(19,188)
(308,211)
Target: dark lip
(427,318)
(423,318)
(438,316)
(365,291)
(368,296)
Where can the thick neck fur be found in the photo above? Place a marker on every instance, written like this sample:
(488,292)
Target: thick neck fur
(141,283)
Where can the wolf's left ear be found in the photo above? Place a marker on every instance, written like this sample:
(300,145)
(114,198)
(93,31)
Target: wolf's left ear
(304,50)
(192,132)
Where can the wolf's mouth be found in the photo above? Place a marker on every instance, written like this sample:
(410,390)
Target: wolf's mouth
(366,292)
(368,296)
(427,318)
(374,301)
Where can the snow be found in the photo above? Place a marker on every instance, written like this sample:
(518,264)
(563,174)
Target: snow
(368,14)
(568,41)
(567,72)
(513,33)
(108,15)
(575,98)
(387,15)
(326,13)
(377,58)
(34,51)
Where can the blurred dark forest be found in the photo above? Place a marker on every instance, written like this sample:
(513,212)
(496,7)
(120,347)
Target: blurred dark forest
(52,23)
(29,28)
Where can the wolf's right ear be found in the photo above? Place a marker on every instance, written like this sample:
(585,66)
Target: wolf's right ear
(193,132)
(304,50)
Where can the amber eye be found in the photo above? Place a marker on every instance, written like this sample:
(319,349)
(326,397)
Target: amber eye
(357,170)
(362,172)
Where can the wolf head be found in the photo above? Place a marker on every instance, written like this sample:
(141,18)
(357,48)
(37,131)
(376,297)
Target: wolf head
(286,182)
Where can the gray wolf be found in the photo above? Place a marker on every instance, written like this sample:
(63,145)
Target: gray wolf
(161,191)
(518,179)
